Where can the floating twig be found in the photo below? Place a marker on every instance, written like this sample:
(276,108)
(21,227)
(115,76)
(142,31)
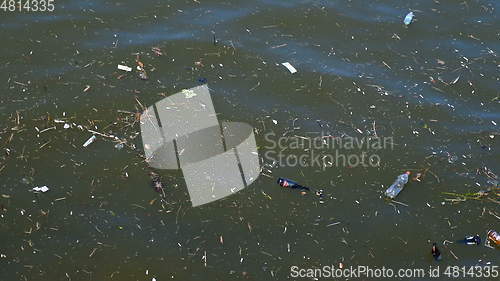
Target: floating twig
(455,256)
(400,203)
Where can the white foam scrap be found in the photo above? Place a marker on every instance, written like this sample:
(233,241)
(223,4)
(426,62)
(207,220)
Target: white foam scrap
(66,126)
(275,122)
(40,189)
(289,67)
(124,68)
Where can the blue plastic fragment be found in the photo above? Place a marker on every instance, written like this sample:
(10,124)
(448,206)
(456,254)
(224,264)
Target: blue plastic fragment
(408,18)
(202,80)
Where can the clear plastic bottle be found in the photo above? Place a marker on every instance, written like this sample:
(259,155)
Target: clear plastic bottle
(397,186)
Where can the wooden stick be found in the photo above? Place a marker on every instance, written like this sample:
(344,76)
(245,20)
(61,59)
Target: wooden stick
(100,134)
(400,203)
(43,145)
(454,255)
(493,214)
(44,130)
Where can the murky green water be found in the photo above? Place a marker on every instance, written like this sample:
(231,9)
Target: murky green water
(361,73)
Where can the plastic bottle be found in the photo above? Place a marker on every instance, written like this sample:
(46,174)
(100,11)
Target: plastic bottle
(473,240)
(408,18)
(291,184)
(397,186)
(435,252)
(494,237)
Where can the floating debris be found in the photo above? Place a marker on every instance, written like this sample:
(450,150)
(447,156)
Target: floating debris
(409,18)
(287,183)
(124,68)
(89,141)
(455,81)
(435,252)
(156,182)
(157,51)
(494,237)
(143,75)
(42,189)
(472,240)
(142,71)
(397,186)
(289,67)
(189,93)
